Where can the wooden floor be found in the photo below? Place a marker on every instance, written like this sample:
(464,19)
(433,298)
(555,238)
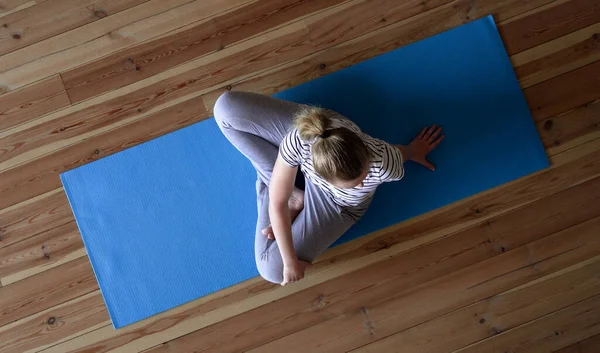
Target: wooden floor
(514,269)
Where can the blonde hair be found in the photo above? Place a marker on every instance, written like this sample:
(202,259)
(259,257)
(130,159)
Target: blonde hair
(338,153)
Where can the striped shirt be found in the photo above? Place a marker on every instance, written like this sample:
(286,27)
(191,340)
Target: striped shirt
(385,166)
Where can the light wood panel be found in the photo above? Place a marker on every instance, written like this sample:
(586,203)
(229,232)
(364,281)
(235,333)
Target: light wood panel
(9,6)
(46,19)
(32,101)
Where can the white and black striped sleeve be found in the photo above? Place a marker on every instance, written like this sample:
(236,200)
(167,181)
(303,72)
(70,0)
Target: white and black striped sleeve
(290,148)
(392,168)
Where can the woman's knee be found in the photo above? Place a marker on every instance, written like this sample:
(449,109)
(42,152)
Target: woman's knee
(271,271)
(227,106)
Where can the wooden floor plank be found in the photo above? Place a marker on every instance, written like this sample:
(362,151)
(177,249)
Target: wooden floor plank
(333,26)
(557,57)
(551,332)
(155,56)
(547,23)
(10,6)
(27,142)
(45,290)
(469,324)
(375,43)
(46,328)
(527,224)
(566,127)
(97,39)
(50,18)
(32,101)
(34,216)
(457,215)
(491,316)
(588,345)
(564,92)
(48,168)
(384,243)
(39,253)
(295,304)
(362,292)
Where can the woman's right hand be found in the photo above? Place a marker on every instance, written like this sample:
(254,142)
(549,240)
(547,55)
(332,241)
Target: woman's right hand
(294,271)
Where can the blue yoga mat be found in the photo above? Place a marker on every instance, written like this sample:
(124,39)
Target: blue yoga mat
(173,219)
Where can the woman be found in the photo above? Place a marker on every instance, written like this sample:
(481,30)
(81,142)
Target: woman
(301,214)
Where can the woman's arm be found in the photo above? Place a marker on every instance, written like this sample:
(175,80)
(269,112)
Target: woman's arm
(280,190)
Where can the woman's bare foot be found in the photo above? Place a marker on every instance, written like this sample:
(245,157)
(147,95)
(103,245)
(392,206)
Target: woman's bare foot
(296,205)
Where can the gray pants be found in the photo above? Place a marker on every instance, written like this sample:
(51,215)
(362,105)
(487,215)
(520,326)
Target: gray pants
(256,125)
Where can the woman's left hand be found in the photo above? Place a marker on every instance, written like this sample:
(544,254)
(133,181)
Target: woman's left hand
(420,147)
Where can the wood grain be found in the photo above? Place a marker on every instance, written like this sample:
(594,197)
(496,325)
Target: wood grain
(566,127)
(564,92)
(381,244)
(557,57)
(9,6)
(548,23)
(50,18)
(32,101)
(453,330)
(155,56)
(390,272)
(65,129)
(491,316)
(39,253)
(588,345)
(384,297)
(48,168)
(45,290)
(34,216)
(334,27)
(548,333)
(48,327)
(497,233)
(362,48)
(94,40)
